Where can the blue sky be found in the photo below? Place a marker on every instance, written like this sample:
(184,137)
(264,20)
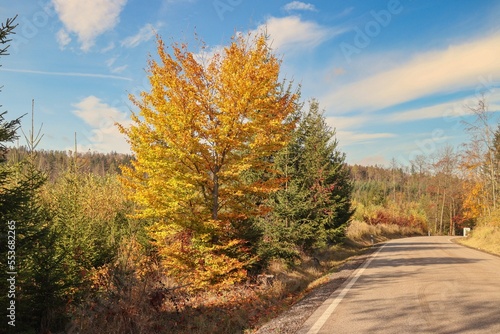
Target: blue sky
(393,76)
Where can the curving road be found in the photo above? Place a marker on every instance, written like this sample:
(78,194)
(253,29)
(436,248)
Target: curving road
(416,285)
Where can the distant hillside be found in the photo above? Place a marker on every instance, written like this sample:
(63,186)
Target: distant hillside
(55,162)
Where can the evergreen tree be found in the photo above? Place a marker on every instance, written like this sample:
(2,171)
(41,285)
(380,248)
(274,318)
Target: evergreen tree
(40,278)
(314,205)
(32,301)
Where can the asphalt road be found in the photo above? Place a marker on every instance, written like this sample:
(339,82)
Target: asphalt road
(415,285)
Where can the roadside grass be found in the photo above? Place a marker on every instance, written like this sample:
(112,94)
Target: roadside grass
(361,232)
(134,301)
(484,237)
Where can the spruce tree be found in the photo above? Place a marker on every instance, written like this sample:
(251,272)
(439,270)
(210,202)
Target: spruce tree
(314,205)
(32,300)
(325,173)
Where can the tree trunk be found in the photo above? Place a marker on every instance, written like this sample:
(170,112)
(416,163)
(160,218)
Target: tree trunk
(442,213)
(215,195)
(452,225)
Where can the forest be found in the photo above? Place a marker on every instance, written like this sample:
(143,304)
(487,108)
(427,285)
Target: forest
(235,198)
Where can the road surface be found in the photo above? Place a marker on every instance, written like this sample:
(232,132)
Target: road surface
(415,285)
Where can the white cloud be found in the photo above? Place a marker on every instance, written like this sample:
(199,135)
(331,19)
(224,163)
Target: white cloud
(351,137)
(349,130)
(342,123)
(146,33)
(118,69)
(463,66)
(88,19)
(292,33)
(111,61)
(345,12)
(101,117)
(205,56)
(109,47)
(298,5)
(288,33)
(447,110)
(63,38)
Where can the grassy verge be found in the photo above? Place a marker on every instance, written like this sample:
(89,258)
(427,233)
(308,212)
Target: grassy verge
(361,233)
(484,237)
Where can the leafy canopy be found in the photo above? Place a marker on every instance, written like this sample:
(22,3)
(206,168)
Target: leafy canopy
(203,135)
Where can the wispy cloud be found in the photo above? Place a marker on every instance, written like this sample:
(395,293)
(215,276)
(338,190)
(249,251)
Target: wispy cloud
(342,123)
(291,33)
(87,19)
(111,61)
(119,69)
(456,68)
(352,129)
(115,69)
(351,137)
(63,38)
(146,33)
(345,12)
(298,5)
(109,47)
(67,74)
(456,108)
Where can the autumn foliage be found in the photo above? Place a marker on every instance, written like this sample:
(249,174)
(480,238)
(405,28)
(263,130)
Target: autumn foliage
(202,138)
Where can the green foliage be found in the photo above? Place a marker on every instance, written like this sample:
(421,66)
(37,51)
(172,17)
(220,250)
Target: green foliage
(6,30)
(66,229)
(90,215)
(31,244)
(39,280)
(314,205)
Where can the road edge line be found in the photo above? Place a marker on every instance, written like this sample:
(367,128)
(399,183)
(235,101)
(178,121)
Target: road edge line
(333,304)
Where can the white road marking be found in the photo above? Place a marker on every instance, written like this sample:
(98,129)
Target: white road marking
(328,312)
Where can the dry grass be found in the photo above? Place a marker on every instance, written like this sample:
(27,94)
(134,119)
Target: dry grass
(485,237)
(133,302)
(361,232)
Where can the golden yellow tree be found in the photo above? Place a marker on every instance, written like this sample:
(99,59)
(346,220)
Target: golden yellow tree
(202,134)
(474,199)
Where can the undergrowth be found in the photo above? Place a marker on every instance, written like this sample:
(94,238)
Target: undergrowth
(134,296)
